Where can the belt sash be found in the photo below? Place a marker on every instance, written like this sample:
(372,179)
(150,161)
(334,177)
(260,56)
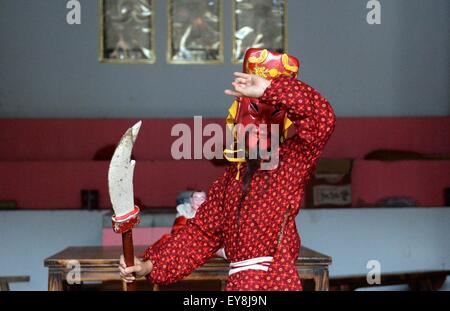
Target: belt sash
(257,263)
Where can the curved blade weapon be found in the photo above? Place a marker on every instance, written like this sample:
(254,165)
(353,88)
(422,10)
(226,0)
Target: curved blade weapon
(120,183)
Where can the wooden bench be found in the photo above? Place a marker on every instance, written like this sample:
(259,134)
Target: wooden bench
(417,281)
(5,280)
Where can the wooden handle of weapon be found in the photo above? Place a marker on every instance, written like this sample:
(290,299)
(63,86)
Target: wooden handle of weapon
(128,254)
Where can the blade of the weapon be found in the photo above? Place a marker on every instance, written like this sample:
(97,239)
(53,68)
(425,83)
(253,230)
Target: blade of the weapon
(120,173)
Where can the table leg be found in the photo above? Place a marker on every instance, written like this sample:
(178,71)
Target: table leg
(55,281)
(4,286)
(223,284)
(321,279)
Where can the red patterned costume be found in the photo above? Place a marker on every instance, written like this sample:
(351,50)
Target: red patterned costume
(266,227)
(178,224)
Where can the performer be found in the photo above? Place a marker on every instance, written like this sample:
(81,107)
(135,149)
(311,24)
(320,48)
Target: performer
(249,210)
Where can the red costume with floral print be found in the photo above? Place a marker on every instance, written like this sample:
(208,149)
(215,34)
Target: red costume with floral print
(266,225)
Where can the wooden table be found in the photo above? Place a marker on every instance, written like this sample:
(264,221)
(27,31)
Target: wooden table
(100,263)
(5,280)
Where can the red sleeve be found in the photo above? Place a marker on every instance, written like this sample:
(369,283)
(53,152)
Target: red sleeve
(314,122)
(310,112)
(177,225)
(193,244)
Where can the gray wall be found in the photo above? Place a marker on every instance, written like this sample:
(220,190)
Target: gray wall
(50,69)
(402,239)
(28,237)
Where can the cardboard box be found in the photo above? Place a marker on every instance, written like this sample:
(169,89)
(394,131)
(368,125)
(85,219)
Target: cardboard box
(330,184)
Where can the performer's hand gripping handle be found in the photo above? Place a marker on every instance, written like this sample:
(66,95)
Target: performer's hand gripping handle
(137,268)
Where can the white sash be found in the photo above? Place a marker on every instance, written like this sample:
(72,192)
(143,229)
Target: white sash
(257,263)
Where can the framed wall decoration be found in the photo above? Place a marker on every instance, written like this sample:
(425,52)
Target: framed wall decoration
(259,23)
(195,32)
(127,32)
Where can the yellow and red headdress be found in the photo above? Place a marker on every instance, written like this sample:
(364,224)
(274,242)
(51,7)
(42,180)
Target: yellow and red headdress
(270,65)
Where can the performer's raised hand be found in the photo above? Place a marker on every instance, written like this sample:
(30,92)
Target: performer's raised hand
(246,85)
(140,269)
